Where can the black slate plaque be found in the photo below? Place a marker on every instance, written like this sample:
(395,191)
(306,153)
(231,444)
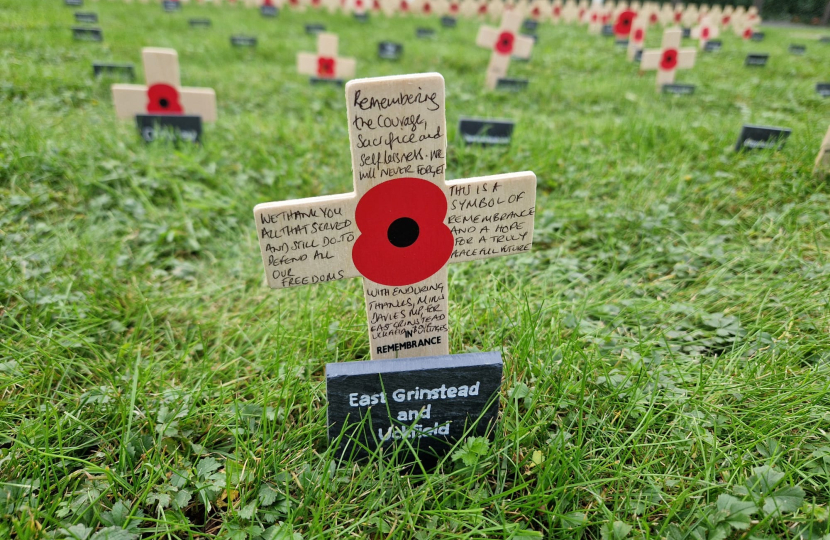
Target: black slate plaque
(243,41)
(424,33)
(713,46)
(680,89)
(530,25)
(73,3)
(86,17)
(269,11)
(824,39)
(326,80)
(432,402)
(171,5)
(315,28)
(687,32)
(485,132)
(621,42)
(361,17)
(798,50)
(757,60)
(448,22)
(514,85)
(758,137)
(200,23)
(757,36)
(80,33)
(389,50)
(102,68)
(607,30)
(823,89)
(638,56)
(169,127)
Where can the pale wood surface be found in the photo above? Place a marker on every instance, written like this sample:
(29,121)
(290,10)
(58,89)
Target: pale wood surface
(823,157)
(397,129)
(705,31)
(161,66)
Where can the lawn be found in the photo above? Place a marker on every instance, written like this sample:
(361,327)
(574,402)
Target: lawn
(666,341)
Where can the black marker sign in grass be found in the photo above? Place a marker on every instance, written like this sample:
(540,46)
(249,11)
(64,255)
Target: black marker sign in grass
(823,89)
(169,127)
(73,3)
(756,60)
(80,33)
(486,132)
(449,22)
(757,36)
(269,11)
(102,68)
(171,6)
(798,50)
(679,89)
(389,50)
(200,23)
(86,17)
(714,45)
(510,84)
(428,402)
(243,41)
(761,137)
(424,33)
(314,28)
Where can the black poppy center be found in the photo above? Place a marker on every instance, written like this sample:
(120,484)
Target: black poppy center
(164,103)
(403,232)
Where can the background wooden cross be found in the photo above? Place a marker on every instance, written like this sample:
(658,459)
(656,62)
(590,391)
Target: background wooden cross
(570,12)
(403,224)
(705,31)
(505,41)
(326,64)
(823,157)
(669,58)
(637,38)
(163,93)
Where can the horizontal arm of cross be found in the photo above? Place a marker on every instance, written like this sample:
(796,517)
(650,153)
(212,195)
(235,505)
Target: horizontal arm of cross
(131,99)
(307,241)
(491,216)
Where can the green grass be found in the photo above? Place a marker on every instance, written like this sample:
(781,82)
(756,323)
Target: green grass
(665,342)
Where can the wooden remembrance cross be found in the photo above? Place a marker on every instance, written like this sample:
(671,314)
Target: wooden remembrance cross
(669,58)
(326,64)
(163,93)
(403,224)
(505,41)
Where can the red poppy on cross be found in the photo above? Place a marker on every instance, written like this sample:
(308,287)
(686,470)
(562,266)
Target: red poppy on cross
(637,37)
(326,64)
(403,224)
(505,41)
(163,93)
